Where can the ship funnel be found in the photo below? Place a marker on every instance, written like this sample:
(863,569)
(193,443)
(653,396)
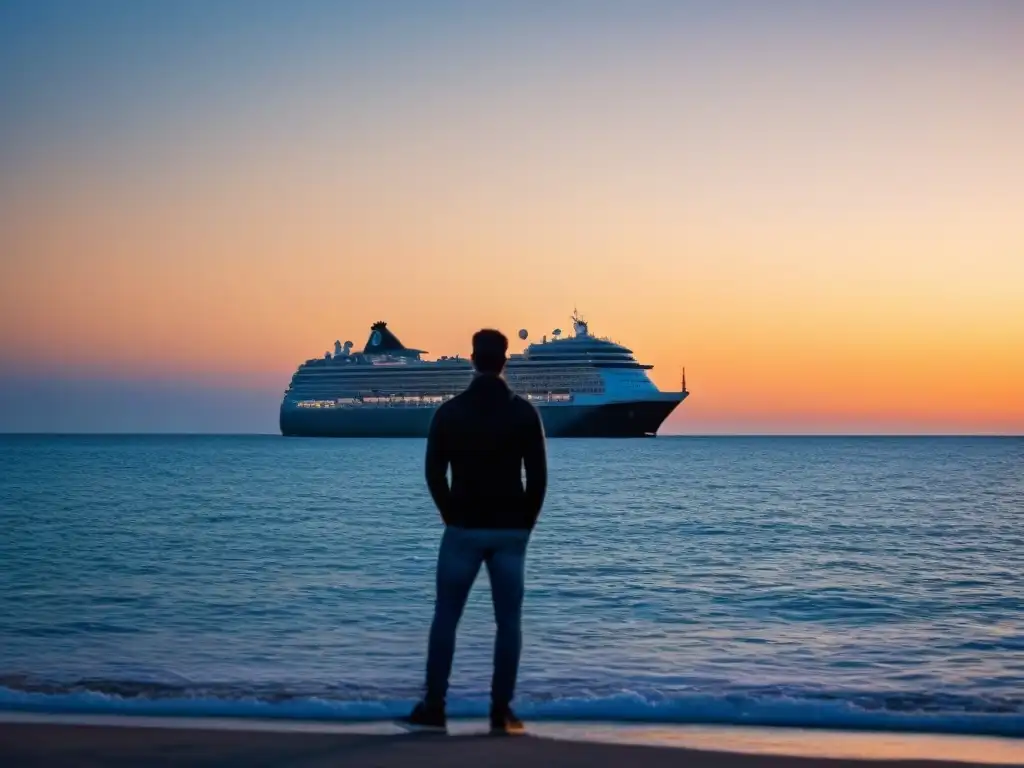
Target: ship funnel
(337,348)
(382,340)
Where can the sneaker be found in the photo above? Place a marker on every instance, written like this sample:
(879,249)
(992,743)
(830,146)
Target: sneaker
(425,717)
(504,721)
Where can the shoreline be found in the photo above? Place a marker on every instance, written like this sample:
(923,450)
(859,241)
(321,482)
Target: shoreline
(371,713)
(81,740)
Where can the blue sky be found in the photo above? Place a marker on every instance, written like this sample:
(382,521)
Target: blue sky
(814,206)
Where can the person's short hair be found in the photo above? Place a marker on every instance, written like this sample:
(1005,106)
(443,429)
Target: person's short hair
(489,348)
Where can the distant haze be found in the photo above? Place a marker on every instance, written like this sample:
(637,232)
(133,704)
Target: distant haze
(816,208)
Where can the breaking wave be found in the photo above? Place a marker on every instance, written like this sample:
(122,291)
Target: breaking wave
(767,706)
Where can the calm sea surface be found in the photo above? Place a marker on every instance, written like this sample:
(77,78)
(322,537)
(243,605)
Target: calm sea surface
(855,582)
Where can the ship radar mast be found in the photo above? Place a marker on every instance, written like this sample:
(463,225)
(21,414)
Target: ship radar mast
(579,325)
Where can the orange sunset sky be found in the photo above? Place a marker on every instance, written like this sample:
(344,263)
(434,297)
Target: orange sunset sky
(816,208)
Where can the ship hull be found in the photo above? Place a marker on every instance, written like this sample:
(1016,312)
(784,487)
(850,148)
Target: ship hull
(634,418)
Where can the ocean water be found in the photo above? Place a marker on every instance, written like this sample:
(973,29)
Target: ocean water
(837,582)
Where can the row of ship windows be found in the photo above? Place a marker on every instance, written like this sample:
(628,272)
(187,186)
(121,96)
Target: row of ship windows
(578,354)
(351,402)
(530,383)
(414,400)
(462,376)
(552,362)
(582,355)
(543,384)
(546,384)
(334,393)
(412,379)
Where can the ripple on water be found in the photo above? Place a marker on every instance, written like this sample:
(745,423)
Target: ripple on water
(876,576)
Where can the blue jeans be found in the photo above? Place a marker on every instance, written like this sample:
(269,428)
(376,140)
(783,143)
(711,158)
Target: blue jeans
(462,552)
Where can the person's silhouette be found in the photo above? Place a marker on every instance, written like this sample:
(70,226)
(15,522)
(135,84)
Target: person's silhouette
(488,435)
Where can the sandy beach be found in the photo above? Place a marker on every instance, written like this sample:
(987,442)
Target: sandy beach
(58,742)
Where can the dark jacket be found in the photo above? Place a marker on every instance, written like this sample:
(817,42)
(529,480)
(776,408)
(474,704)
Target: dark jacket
(487,434)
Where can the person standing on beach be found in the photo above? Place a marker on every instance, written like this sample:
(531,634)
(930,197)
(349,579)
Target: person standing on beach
(488,435)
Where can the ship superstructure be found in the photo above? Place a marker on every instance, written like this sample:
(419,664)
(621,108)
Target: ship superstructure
(582,385)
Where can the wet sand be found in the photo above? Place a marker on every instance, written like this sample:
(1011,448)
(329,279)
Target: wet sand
(58,743)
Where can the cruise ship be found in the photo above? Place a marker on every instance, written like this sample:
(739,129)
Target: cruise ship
(582,385)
